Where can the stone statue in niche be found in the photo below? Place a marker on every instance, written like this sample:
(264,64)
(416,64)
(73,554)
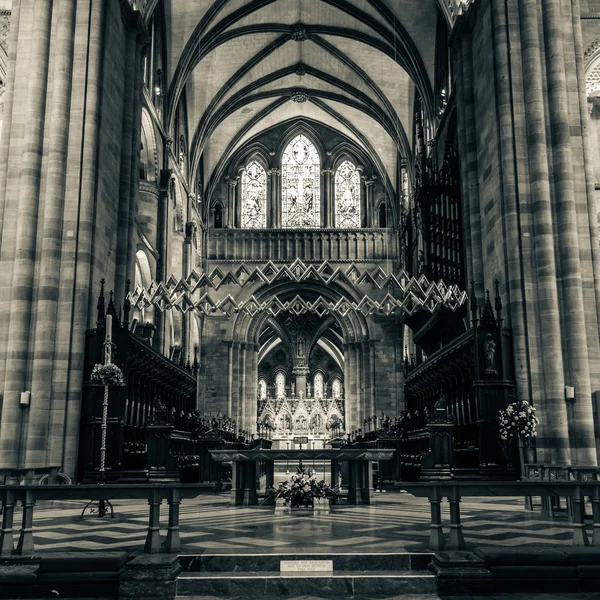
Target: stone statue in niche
(442,403)
(300,346)
(308,390)
(490,356)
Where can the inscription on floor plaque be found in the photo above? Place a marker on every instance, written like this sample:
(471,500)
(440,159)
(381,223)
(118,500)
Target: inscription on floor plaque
(302,566)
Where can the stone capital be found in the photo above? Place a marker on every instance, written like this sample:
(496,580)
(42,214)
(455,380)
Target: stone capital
(300,371)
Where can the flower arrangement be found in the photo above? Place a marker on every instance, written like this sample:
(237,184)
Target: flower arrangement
(518,420)
(107,375)
(302,489)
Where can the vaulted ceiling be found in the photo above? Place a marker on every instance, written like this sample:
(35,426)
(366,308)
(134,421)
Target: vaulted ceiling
(240,65)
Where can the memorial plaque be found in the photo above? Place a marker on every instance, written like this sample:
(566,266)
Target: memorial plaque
(300,440)
(304,566)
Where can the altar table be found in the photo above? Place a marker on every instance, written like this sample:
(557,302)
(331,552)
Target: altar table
(244,470)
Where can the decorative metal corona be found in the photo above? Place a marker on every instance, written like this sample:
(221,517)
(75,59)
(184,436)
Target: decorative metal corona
(381,292)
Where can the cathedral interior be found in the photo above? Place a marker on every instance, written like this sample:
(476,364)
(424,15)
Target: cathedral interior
(288,225)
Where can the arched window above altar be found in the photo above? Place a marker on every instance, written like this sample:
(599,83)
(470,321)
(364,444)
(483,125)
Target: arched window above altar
(347,196)
(336,388)
(280,385)
(318,384)
(254,196)
(301,184)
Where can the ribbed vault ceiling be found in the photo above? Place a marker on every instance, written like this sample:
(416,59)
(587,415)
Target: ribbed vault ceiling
(239,62)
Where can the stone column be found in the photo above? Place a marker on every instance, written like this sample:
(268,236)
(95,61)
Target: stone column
(242,383)
(141,47)
(273,213)
(472,183)
(573,313)
(372,375)
(300,374)
(27,201)
(230,378)
(591,296)
(231,219)
(462,148)
(9,94)
(514,285)
(328,196)
(347,392)
(125,175)
(53,220)
(367,205)
(235,400)
(162,236)
(251,386)
(553,441)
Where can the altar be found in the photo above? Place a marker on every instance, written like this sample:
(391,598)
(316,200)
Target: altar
(244,469)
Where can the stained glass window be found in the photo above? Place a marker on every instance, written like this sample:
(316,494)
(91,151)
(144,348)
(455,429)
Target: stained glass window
(347,196)
(301,184)
(262,389)
(318,383)
(336,388)
(280,385)
(254,196)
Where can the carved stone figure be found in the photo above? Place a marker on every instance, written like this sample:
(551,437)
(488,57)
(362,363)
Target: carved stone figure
(490,356)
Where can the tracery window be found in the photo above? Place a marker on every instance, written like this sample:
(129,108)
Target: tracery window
(254,196)
(280,385)
(347,196)
(336,388)
(301,184)
(319,384)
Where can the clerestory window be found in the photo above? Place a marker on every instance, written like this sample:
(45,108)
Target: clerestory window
(347,196)
(254,196)
(301,184)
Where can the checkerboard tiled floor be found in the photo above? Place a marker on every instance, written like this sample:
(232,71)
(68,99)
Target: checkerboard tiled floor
(397,522)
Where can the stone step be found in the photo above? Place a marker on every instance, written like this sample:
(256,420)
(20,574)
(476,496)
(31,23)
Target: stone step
(216,563)
(344,584)
(319,597)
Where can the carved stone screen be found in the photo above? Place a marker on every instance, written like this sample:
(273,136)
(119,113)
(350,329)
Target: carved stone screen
(301,184)
(347,196)
(254,196)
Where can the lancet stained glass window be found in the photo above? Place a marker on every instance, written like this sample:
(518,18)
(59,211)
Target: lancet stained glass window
(336,388)
(318,383)
(254,196)
(347,196)
(280,385)
(301,184)
(262,389)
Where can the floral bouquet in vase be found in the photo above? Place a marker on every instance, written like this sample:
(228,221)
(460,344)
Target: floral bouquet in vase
(109,375)
(302,489)
(518,422)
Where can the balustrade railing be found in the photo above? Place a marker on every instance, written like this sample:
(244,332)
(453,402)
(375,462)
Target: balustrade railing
(285,245)
(28,495)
